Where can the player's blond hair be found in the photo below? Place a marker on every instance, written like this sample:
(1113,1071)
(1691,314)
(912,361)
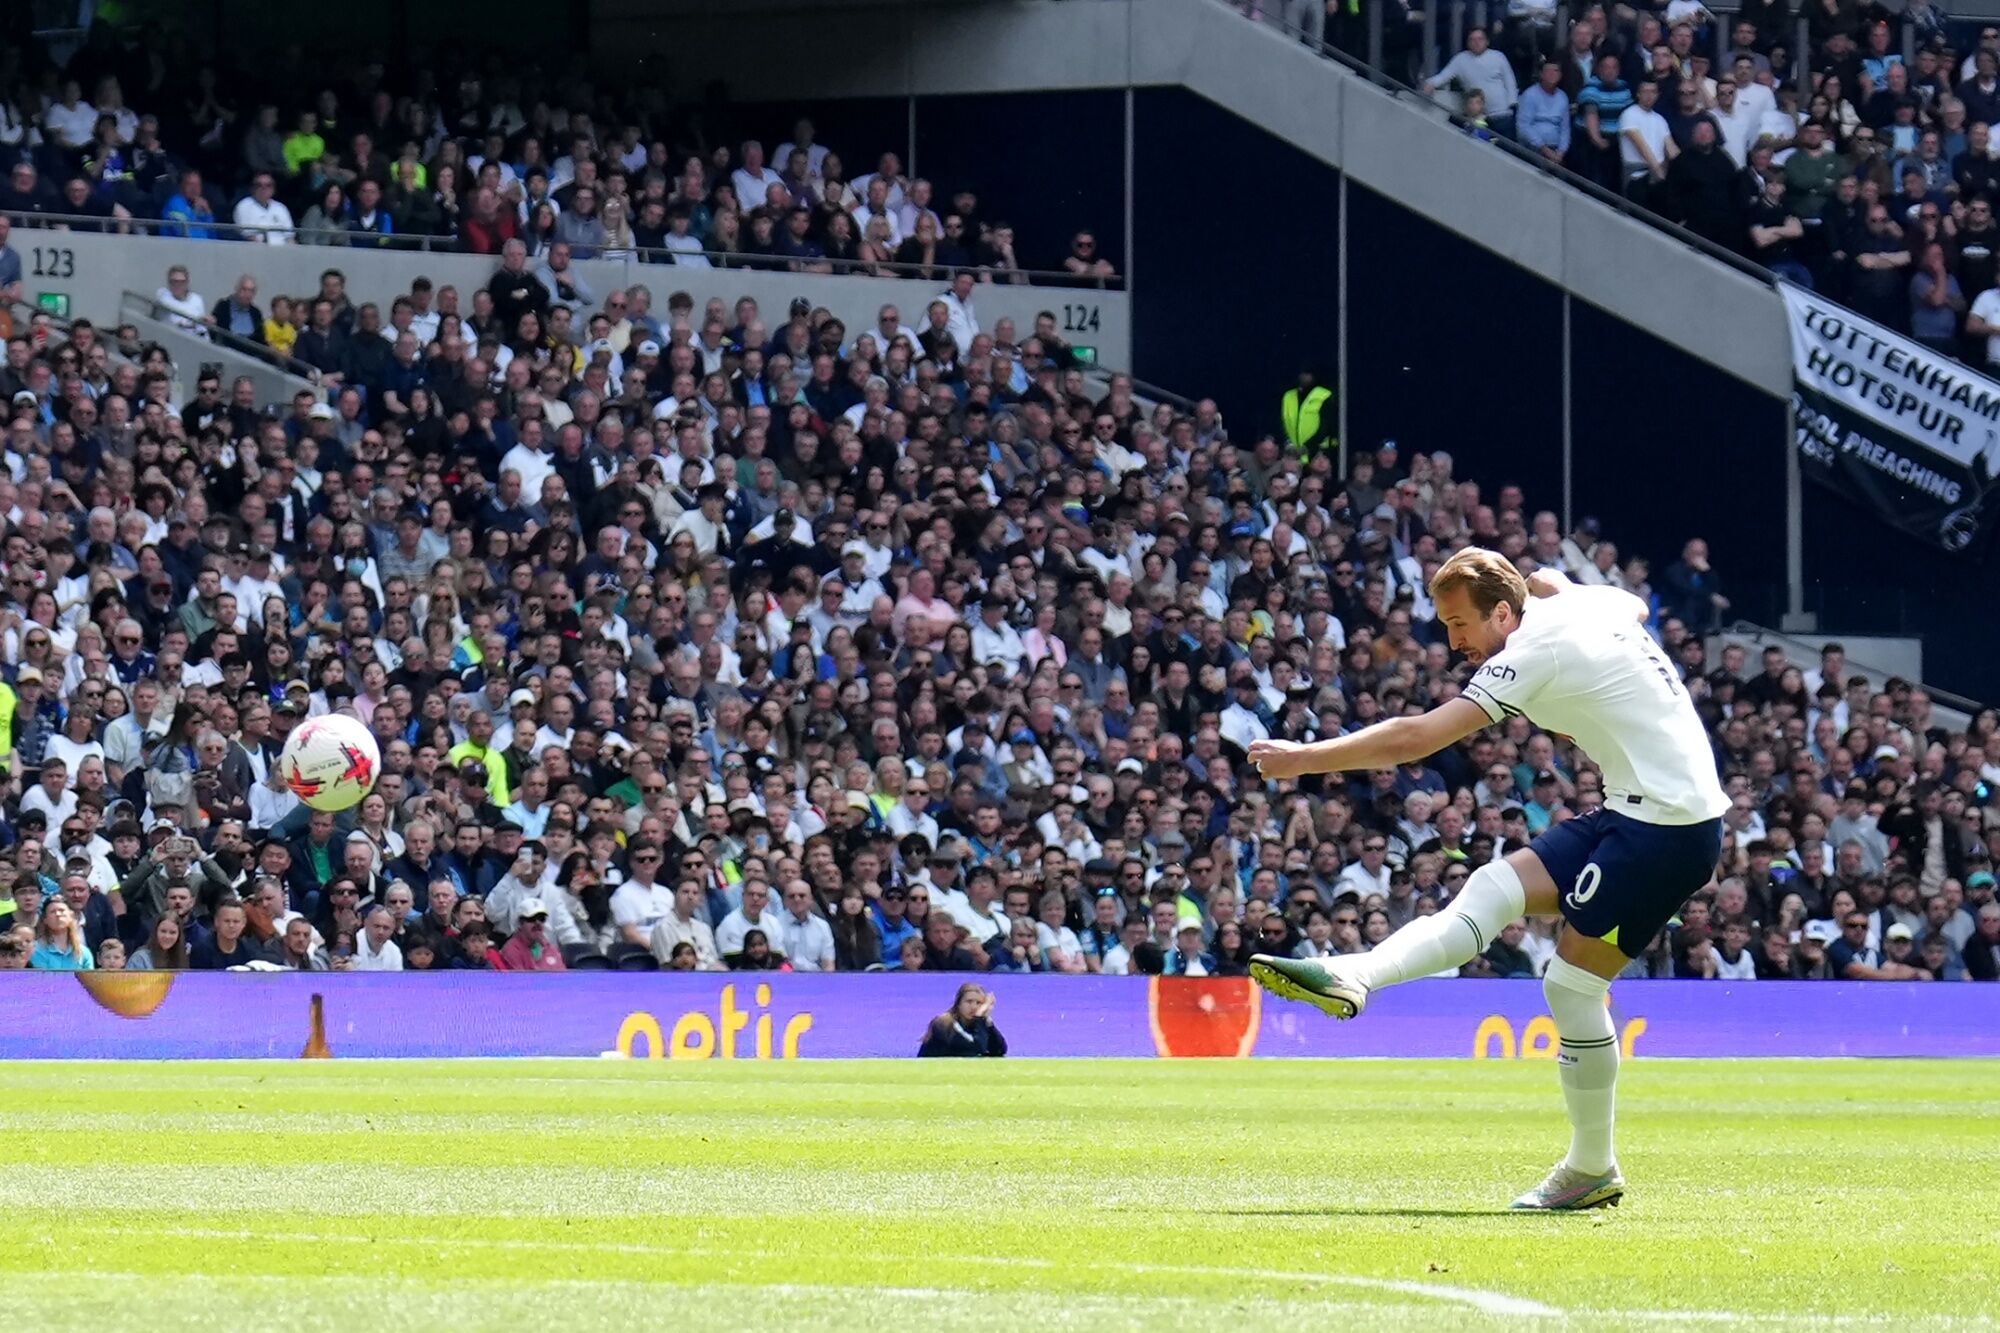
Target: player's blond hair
(1488,577)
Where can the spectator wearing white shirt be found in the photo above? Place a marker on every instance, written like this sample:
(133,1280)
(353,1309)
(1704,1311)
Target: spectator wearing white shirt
(962,321)
(917,204)
(876,205)
(889,171)
(806,938)
(684,926)
(753,180)
(754,912)
(641,902)
(70,121)
(1737,122)
(994,640)
(1984,322)
(802,142)
(1753,96)
(1371,873)
(375,948)
(1645,144)
(52,794)
(1240,723)
(186,308)
(530,459)
(911,814)
(268,220)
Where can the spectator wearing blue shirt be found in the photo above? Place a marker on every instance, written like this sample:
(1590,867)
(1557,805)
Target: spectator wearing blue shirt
(187,212)
(1188,957)
(10,265)
(1542,118)
(1850,958)
(895,926)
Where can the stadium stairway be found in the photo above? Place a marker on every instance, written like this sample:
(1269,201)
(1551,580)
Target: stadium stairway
(1723,312)
(277,379)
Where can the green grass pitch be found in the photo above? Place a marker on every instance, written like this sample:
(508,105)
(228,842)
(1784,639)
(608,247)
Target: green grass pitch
(1005,1195)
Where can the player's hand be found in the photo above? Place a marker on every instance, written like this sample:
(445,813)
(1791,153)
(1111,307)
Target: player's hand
(1277,760)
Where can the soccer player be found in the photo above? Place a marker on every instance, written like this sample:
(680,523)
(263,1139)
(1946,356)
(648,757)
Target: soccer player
(1575,660)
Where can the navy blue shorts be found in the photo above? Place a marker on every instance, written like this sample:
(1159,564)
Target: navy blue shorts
(1621,879)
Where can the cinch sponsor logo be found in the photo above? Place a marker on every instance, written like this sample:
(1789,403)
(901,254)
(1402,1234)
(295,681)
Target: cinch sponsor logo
(698,1036)
(1497,672)
(1496,1039)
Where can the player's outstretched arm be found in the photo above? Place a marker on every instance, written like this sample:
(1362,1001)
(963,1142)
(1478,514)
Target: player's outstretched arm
(1399,740)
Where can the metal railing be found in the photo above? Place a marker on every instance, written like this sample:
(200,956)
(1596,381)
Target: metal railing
(149,307)
(175,229)
(24,313)
(1394,87)
(1953,709)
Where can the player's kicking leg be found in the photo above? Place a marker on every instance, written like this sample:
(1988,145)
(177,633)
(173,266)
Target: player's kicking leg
(1590,854)
(1496,893)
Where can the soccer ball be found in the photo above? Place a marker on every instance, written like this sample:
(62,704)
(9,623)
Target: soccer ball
(330,762)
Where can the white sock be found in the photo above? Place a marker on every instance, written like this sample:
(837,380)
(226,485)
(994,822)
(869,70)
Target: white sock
(1491,898)
(1588,1059)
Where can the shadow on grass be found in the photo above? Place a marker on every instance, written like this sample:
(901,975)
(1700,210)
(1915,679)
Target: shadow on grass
(1385,1210)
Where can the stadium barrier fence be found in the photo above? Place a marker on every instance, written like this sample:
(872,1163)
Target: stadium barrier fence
(778,1015)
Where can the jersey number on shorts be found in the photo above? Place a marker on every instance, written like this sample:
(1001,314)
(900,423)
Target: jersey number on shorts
(1586,885)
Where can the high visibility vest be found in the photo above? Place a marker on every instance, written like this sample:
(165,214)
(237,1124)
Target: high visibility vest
(9,704)
(1302,419)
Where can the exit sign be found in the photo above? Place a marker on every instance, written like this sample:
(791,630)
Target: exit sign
(53,303)
(1085,356)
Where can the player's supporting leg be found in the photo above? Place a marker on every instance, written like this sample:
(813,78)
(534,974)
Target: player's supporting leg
(1588,1061)
(1587,1058)
(1493,896)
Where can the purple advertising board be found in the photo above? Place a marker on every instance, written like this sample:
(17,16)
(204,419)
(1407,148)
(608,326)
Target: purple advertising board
(783,1016)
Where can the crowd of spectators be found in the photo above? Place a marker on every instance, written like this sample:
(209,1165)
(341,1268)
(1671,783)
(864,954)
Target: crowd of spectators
(363,158)
(696,638)
(1862,165)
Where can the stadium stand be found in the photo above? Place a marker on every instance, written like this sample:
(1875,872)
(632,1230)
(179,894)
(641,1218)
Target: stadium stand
(708,636)
(399,172)
(1847,148)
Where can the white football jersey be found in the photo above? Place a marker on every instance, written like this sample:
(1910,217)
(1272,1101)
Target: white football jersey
(1582,665)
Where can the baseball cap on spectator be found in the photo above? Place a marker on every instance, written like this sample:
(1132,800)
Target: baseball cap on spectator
(520,697)
(320,412)
(1886,752)
(1898,931)
(534,909)
(1980,879)
(28,675)
(1131,765)
(649,348)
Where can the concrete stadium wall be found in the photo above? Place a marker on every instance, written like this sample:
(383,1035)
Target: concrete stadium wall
(94,271)
(780,1015)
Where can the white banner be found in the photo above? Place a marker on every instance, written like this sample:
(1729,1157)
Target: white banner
(1882,418)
